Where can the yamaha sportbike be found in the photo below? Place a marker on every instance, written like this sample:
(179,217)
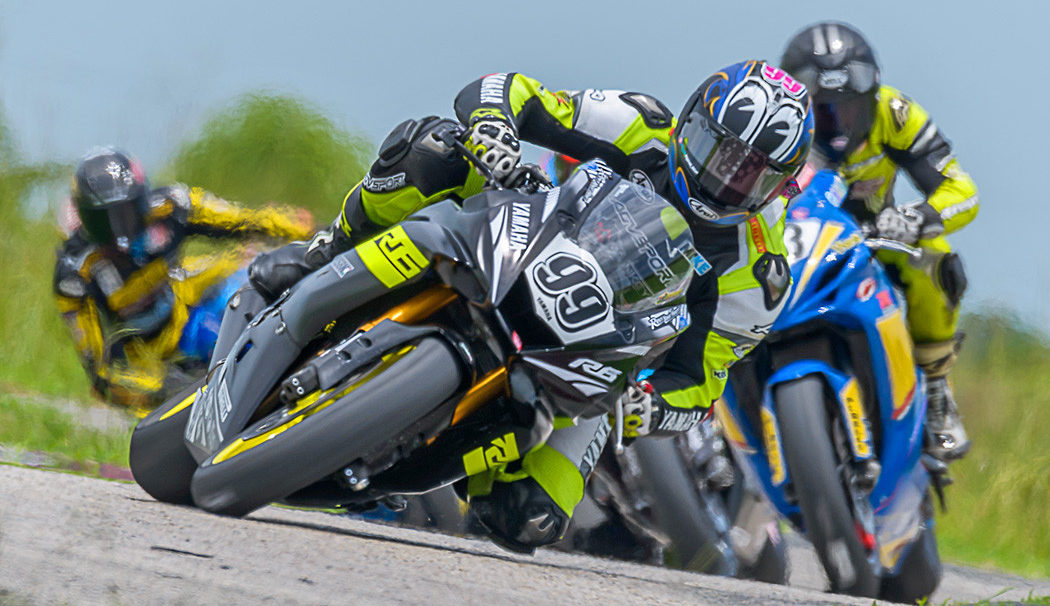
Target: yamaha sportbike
(829,409)
(439,349)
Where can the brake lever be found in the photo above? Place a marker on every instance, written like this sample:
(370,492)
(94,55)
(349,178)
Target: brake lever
(451,139)
(887,244)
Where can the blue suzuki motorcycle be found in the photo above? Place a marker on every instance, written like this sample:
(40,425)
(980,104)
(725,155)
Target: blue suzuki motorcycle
(829,409)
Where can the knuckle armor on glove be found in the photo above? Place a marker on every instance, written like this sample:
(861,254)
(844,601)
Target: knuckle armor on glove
(900,224)
(637,410)
(495,144)
(909,224)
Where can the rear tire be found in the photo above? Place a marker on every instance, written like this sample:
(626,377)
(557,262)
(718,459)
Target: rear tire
(333,437)
(681,512)
(158,457)
(822,497)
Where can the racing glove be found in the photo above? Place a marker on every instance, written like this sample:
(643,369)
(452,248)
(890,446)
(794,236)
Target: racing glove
(909,224)
(496,145)
(638,417)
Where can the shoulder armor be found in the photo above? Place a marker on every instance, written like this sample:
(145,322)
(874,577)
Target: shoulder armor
(896,106)
(165,202)
(68,281)
(655,114)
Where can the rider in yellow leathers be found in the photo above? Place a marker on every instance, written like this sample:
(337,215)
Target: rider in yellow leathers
(122,282)
(869,132)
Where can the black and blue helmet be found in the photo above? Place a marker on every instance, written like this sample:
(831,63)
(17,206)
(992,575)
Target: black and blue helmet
(741,137)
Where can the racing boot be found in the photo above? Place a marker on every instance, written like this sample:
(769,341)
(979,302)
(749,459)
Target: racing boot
(944,428)
(946,436)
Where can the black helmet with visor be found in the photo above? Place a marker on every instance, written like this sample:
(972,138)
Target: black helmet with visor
(111,195)
(839,67)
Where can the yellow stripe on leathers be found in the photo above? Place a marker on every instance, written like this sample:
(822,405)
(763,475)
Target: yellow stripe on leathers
(392,257)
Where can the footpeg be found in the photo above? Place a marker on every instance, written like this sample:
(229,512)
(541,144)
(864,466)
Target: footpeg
(299,384)
(356,476)
(939,477)
(866,474)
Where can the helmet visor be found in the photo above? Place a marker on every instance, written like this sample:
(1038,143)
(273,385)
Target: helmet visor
(856,77)
(115,223)
(842,124)
(732,178)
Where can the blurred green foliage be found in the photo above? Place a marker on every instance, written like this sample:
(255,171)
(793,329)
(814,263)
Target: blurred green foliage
(274,149)
(34,426)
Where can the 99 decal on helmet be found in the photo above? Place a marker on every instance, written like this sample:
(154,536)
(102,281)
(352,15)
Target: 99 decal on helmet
(740,139)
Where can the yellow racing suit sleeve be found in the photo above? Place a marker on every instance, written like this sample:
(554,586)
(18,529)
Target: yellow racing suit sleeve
(914,143)
(413,170)
(211,215)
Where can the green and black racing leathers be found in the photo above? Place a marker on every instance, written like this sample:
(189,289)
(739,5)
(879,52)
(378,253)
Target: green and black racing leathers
(737,294)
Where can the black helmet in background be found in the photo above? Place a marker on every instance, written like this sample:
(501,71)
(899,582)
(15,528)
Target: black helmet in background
(839,67)
(741,137)
(111,195)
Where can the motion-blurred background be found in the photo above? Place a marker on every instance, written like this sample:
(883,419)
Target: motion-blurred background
(280,101)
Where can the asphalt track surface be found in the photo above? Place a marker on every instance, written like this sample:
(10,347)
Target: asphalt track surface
(68,539)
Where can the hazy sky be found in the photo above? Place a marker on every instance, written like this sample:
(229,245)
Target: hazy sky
(143,75)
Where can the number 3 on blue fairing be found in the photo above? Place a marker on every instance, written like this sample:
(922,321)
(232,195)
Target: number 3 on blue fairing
(799,237)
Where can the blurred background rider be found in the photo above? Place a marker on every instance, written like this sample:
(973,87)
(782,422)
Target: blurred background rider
(123,283)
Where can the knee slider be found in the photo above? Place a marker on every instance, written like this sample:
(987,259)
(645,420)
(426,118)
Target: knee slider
(398,142)
(520,515)
(951,277)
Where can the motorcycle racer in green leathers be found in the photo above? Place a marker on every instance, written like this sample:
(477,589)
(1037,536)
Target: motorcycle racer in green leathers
(727,161)
(869,132)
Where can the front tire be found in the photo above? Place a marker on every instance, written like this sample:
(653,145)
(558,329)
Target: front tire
(159,460)
(680,511)
(318,445)
(819,485)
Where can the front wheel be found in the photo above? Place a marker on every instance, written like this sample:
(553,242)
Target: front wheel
(159,460)
(284,453)
(819,484)
(680,510)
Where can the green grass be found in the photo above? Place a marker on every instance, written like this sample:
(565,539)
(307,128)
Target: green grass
(999,515)
(33,426)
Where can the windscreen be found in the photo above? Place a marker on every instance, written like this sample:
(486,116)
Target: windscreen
(643,245)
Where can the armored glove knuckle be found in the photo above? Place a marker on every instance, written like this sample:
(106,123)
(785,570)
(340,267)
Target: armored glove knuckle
(637,410)
(496,145)
(902,224)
